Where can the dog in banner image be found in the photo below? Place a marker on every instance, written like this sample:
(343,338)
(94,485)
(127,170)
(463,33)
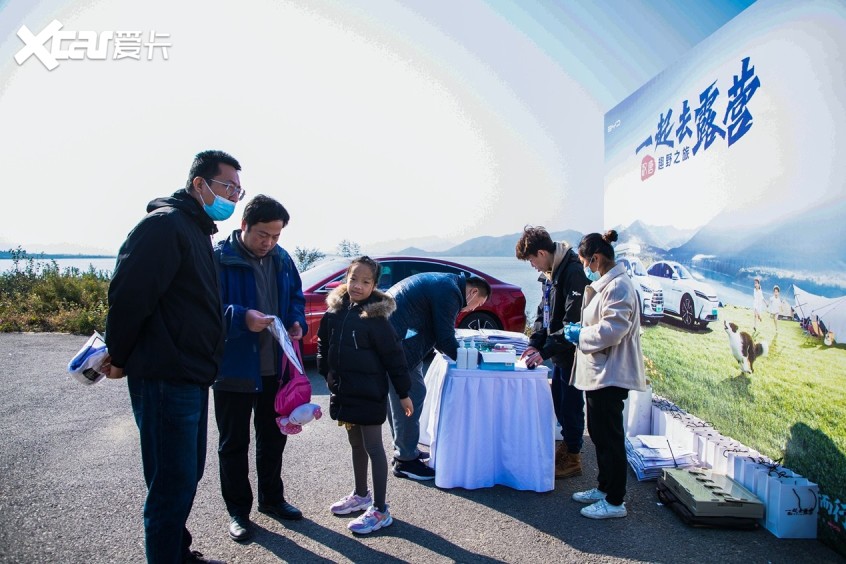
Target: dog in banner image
(744,349)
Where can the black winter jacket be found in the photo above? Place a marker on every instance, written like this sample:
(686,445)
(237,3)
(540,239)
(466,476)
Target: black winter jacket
(565,306)
(359,348)
(165,319)
(427,307)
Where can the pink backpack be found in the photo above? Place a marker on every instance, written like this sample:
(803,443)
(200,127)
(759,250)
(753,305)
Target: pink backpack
(294,387)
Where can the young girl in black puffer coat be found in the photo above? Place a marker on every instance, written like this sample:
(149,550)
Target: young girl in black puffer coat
(357,350)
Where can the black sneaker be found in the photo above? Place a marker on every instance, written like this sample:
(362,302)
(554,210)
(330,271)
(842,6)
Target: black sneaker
(283,510)
(413,469)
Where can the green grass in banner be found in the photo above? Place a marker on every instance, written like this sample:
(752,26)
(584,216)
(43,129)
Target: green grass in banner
(791,408)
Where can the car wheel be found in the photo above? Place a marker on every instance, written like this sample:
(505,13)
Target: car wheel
(688,316)
(479,320)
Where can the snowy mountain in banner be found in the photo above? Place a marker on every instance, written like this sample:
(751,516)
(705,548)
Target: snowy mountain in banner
(811,239)
(657,236)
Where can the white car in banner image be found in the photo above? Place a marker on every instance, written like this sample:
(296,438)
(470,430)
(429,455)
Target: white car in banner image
(650,296)
(691,299)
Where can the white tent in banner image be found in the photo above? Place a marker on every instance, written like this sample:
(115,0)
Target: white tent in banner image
(831,311)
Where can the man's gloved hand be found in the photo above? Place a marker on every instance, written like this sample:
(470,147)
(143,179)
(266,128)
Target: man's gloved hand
(572,331)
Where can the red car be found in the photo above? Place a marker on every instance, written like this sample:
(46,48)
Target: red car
(504,309)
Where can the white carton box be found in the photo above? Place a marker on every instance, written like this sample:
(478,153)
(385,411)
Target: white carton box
(498,360)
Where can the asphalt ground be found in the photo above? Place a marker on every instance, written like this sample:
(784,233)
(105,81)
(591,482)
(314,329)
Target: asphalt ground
(71,490)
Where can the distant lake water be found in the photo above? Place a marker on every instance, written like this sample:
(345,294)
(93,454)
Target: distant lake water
(517,272)
(107,264)
(506,269)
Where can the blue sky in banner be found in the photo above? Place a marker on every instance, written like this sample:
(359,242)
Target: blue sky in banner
(752,115)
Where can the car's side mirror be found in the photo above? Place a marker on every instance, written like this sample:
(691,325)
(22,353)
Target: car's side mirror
(675,276)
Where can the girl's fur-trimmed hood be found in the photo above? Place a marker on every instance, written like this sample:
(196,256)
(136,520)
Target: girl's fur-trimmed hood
(379,304)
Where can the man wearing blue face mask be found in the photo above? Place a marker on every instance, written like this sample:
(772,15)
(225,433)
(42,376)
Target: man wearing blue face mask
(165,333)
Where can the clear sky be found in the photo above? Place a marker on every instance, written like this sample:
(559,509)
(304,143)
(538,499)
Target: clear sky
(372,121)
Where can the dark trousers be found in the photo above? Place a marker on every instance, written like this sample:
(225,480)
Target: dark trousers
(605,426)
(569,404)
(172,419)
(406,430)
(232,411)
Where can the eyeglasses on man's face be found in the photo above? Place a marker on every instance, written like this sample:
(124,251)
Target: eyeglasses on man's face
(231,189)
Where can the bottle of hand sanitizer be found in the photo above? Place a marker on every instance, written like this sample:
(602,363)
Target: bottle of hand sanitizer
(461,354)
(472,355)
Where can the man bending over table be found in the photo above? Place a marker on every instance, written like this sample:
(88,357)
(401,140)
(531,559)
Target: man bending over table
(427,306)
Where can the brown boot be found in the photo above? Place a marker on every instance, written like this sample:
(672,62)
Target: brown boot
(560,453)
(569,467)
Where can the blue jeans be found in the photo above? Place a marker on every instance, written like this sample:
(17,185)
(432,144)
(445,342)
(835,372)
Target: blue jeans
(406,430)
(569,404)
(172,419)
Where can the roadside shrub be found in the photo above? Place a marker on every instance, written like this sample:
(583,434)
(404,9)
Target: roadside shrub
(37,296)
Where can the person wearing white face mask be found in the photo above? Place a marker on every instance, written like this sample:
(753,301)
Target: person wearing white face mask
(165,333)
(609,363)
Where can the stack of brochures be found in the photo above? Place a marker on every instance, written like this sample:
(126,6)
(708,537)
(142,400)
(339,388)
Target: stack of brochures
(495,337)
(648,455)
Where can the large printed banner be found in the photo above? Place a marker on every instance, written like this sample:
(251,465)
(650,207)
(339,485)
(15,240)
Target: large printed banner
(726,178)
(732,161)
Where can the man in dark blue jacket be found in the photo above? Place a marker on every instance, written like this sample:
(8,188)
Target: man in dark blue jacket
(164,331)
(427,307)
(258,280)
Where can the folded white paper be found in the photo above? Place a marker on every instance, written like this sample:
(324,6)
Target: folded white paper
(281,335)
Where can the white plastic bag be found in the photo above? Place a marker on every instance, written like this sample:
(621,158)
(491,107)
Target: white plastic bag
(84,366)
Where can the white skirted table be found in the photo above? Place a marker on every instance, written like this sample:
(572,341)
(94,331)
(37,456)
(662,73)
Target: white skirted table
(489,427)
